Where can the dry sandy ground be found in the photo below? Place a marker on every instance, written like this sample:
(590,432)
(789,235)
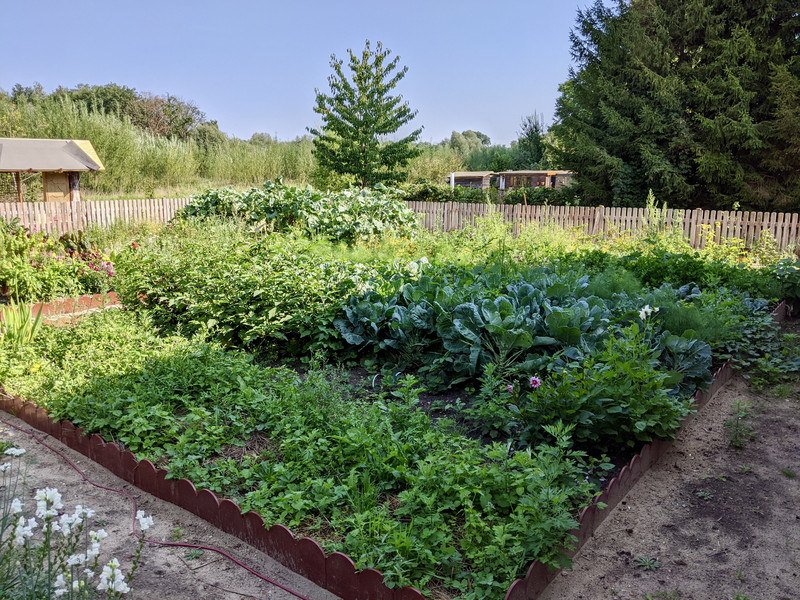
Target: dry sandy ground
(165,572)
(723,523)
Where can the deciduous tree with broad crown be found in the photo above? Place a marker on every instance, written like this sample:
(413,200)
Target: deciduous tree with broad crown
(359,114)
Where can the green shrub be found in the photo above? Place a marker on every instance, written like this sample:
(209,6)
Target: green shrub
(349,216)
(618,396)
(35,267)
(252,293)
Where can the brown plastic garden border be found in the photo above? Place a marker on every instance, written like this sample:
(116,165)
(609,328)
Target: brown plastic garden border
(64,306)
(335,572)
(539,576)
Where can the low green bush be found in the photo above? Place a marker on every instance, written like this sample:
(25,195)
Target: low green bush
(349,216)
(34,266)
(620,395)
(255,293)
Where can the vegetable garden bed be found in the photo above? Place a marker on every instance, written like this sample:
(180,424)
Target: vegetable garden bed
(335,572)
(552,357)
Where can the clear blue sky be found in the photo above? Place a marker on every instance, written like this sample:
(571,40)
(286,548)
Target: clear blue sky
(253,66)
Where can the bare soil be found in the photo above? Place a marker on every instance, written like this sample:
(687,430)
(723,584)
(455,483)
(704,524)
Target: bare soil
(164,572)
(722,523)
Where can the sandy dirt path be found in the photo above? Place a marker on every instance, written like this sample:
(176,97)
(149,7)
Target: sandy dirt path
(722,523)
(165,572)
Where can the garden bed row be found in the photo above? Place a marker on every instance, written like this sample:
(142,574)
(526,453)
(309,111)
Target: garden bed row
(335,572)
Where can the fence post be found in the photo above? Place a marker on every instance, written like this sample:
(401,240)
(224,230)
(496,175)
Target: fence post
(598,218)
(448,209)
(515,219)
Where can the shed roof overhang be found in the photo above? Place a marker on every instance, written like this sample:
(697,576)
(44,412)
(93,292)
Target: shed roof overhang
(47,156)
(531,173)
(469,174)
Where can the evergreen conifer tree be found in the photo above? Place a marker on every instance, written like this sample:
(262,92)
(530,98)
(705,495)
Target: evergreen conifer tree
(693,99)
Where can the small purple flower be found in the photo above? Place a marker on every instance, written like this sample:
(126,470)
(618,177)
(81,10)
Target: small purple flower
(510,388)
(535,382)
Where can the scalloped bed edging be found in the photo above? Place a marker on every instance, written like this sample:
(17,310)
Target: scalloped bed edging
(539,576)
(335,572)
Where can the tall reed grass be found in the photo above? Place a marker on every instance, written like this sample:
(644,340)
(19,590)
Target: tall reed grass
(137,162)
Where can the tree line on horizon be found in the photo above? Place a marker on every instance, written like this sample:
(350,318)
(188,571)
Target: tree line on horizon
(156,144)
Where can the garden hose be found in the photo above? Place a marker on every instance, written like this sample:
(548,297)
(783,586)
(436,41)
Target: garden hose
(135,509)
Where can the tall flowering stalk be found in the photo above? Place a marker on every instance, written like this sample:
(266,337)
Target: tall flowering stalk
(54,554)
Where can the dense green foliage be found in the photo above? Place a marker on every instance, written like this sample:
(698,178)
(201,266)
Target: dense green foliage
(248,293)
(428,192)
(350,216)
(553,346)
(36,267)
(452,326)
(480,513)
(139,160)
(358,116)
(529,151)
(695,100)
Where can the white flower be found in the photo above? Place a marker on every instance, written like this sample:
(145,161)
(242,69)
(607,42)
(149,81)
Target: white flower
(84,513)
(15,451)
(144,522)
(16,506)
(645,312)
(5,467)
(61,585)
(112,578)
(94,551)
(76,559)
(98,536)
(48,502)
(51,496)
(23,531)
(66,523)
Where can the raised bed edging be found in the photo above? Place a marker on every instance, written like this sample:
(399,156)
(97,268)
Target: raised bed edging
(539,576)
(68,306)
(335,572)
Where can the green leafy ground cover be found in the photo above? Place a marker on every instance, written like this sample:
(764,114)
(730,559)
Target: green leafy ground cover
(349,216)
(557,350)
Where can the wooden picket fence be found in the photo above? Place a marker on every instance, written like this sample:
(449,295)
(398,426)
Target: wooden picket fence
(57,218)
(698,226)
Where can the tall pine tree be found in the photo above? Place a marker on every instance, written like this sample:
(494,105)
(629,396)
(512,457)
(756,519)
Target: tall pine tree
(694,100)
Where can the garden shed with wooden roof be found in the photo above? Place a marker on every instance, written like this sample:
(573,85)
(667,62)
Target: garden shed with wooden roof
(60,163)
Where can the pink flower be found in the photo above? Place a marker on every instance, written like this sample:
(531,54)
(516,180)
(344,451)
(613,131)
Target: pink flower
(510,388)
(535,382)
